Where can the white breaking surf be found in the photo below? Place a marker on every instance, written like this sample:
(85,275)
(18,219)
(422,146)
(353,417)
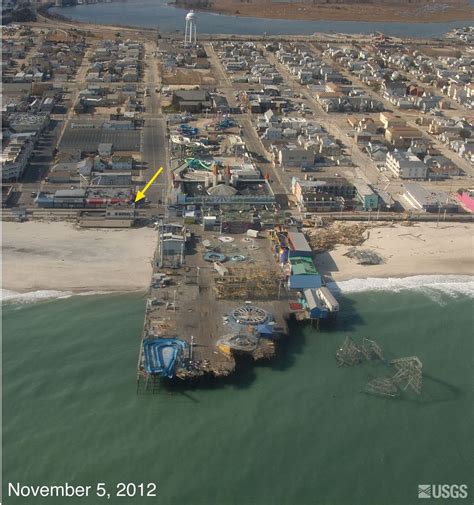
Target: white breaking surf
(452,285)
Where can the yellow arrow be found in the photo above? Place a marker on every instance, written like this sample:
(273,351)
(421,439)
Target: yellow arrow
(141,194)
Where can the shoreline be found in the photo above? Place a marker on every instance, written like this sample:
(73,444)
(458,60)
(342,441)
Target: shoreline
(290,14)
(449,283)
(58,257)
(406,251)
(342,12)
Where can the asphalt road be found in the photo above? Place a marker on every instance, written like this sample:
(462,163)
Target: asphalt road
(250,137)
(154,143)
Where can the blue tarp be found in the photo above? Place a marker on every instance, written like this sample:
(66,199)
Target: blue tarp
(266,330)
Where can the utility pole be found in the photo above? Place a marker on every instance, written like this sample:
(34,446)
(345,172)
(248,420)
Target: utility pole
(161,242)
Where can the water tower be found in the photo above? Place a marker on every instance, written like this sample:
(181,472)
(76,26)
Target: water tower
(190,32)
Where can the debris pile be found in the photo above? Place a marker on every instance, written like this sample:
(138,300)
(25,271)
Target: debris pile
(248,282)
(408,371)
(327,237)
(364,256)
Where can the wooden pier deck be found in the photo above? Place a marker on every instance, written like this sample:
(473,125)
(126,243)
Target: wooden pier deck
(191,308)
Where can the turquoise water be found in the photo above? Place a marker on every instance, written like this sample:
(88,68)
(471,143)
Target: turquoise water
(156,13)
(296,432)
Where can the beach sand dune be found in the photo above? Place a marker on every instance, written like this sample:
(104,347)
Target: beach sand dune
(60,256)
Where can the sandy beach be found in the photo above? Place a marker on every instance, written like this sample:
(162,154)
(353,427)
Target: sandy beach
(60,256)
(421,249)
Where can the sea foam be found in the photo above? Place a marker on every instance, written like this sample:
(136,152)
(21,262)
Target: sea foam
(452,285)
(33,296)
(42,294)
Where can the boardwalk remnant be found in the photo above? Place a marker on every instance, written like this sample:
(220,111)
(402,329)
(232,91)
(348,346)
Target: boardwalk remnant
(348,354)
(408,371)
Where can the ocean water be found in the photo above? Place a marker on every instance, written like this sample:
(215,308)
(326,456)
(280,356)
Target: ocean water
(156,13)
(298,431)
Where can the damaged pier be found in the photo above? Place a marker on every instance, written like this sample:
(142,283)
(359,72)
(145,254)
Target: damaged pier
(212,298)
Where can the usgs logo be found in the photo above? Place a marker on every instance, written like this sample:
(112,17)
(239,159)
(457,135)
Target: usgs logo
(442,491)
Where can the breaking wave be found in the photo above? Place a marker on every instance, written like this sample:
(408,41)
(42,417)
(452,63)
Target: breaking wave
(452,285)
(40,295)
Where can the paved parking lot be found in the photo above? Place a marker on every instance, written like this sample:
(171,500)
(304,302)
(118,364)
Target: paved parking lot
(88,139)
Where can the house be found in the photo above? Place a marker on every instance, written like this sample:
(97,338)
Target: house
(84,167)
(441,167)
(405,165)
(376,152)
(270,117)
(220,104)
(393,89)
(272,133)
(402,136)
(104,149)
(388,119)
(327,146)
(288,157)
(191,100)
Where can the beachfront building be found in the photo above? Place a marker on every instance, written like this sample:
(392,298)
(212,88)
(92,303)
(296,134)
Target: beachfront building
(324,194)
(14,158)
(366,196)
(298,245)
(303,273)
(405,165)
(466,199)
(428,201)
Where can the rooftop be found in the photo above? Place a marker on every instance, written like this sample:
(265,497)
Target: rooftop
(301,265)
